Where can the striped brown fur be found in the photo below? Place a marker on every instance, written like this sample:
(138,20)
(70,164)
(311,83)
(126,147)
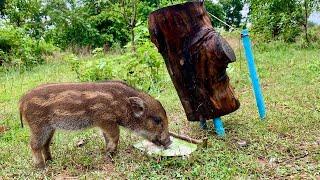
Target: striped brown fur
(73,106)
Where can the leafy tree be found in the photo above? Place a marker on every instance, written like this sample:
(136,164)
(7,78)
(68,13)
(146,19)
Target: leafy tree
(16,12)
(216,10)
(69,25)
(232,9)
(28,14)
(276,18)
(308,6)
(2,4)
(133,13)
(84,23)
(88,23)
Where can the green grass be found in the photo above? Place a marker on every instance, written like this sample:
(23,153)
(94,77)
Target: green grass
(285,145)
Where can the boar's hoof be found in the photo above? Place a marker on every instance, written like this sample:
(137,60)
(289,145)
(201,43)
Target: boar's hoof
(111,152)
(111,147)
(110,155)
(47,157)
(40,165)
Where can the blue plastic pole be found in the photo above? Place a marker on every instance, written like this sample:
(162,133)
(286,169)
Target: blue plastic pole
(253,73)
(218,126)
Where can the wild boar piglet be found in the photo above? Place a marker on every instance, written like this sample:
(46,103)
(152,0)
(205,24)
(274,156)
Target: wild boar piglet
(74,106)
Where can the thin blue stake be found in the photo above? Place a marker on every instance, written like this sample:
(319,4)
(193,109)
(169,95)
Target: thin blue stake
(203,124)
(253,73)
(218,126)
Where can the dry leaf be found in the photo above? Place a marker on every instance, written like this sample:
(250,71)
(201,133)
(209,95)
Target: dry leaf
(242,143)
(3,129)
(81,142)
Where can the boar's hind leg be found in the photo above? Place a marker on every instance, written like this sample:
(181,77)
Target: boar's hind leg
(111,136)
(46,149)
(38,140)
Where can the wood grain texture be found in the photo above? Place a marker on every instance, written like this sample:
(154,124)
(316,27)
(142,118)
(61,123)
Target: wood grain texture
(196,58)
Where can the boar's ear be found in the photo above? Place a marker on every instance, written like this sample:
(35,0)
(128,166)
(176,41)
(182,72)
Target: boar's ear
(137,106)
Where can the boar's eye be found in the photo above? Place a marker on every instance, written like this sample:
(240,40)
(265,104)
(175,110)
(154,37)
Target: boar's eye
(156,119)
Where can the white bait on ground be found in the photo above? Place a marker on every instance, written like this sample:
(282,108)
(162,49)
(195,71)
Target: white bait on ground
(177,148)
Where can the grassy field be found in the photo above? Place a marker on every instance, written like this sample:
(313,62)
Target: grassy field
(285,145)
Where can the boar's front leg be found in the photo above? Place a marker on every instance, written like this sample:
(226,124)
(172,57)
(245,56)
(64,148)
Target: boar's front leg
(111,133)
(39,138)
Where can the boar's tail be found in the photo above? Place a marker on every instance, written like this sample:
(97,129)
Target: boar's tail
(21,121)
(20,113)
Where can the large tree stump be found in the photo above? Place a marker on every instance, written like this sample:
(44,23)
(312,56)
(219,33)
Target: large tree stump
(196,58)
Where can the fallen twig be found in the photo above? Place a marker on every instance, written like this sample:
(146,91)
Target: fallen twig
(204,141)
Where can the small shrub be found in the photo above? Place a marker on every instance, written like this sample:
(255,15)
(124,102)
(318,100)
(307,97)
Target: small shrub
(90,70)
(313,36)
(46,48)
(20,50)
(97,52)
(314,67)
(143,69)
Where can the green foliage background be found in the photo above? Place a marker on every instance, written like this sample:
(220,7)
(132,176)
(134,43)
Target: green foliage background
(281,19)
(32,30)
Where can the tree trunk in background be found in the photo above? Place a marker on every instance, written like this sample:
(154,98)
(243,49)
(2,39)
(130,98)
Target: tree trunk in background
(129,12)
(306,21)
(132,40)
(196,58)
(133,23)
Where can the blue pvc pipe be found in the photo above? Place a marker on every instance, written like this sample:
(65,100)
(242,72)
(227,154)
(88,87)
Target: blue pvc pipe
(218,126)
(253,73)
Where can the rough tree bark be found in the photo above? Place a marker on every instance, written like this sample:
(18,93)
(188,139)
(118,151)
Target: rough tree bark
(196,58)
(306,21)
(129,13)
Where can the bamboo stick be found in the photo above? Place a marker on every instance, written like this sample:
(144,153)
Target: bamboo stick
(204,141)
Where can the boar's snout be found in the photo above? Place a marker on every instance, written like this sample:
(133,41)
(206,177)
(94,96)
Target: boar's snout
(165,140)
(167,143)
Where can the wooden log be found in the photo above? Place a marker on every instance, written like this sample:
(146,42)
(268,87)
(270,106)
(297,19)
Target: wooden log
(196,58)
